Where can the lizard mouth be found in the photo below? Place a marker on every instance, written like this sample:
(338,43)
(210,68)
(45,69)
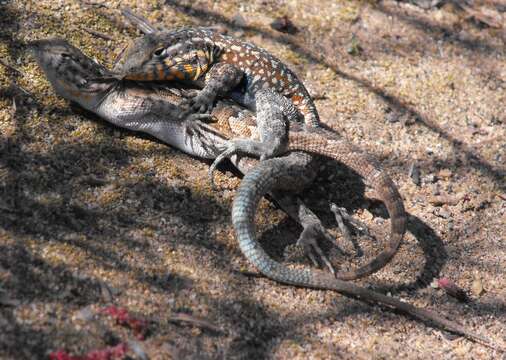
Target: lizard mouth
(155,75)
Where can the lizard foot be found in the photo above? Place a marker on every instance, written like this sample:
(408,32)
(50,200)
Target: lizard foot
(199,135)
(225,154)
(235,147)
(341,215)
(201,102)
(308,240)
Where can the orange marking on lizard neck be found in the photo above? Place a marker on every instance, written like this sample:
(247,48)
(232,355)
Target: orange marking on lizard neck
(177,74)
(160,71)
(140,76)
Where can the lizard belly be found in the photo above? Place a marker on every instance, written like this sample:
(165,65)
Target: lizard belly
(132,114)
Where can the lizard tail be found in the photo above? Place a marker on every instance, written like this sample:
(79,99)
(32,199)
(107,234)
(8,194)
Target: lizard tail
(269,174)
(371,171)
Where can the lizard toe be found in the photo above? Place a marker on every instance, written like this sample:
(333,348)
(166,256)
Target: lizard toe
(308,240)
(230,150)
(345,222)
(201,103)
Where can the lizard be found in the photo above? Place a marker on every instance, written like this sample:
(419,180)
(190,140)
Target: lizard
(126,105)
(80,79)
(189,54)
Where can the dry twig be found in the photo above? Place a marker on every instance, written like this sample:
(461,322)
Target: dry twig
(98,34)
(199,322)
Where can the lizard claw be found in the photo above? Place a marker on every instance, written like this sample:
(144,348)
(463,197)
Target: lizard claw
(356,223)
(308,241)
(236,146)
(197,133)
(199,102)
(229,151)
(341,215)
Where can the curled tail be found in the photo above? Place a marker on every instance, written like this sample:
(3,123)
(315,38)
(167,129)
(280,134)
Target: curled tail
(266,176)
(374,176)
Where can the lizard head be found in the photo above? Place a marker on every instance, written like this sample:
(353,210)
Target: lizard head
(167,56)
(72,74)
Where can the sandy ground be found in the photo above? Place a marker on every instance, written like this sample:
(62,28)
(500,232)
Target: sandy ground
(92,215)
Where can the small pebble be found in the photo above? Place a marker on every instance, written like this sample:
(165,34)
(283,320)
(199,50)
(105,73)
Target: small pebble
(284,24)
(84,314)
(477,287)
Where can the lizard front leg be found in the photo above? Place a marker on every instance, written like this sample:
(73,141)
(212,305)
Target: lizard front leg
(219,81)
(274,113)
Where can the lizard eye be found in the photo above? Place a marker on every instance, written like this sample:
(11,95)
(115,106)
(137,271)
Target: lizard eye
(65,55)
(159,51)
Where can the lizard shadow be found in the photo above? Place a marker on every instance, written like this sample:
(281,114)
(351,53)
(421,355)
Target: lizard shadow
(9,18)
(48,205)
(28,215)
(40,214)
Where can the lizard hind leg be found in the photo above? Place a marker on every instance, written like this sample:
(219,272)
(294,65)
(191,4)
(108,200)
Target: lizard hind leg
(346,222)
(312,232)
(308,241)
(219,81)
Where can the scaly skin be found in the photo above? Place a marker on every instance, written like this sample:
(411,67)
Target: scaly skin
(129,106)
(151,109)
(320,142)
(155,111)
(277,172)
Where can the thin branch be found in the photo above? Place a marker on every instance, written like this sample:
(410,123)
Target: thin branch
(98,34)
(196,321)
(94,4)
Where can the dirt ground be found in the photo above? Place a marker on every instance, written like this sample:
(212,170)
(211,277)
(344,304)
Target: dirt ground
(92,215)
